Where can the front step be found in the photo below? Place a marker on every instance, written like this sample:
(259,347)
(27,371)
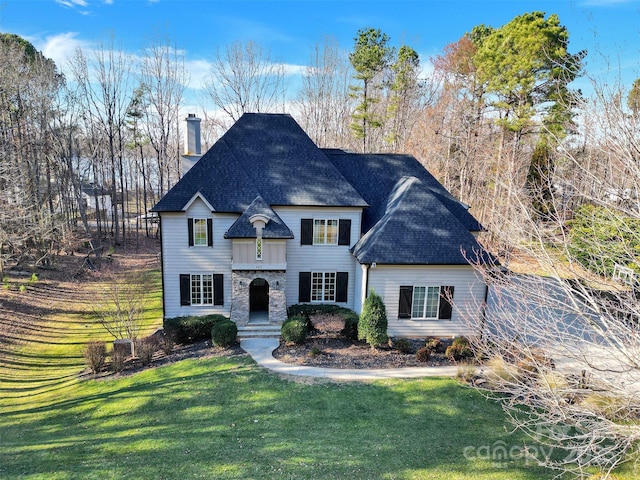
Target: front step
(259,331)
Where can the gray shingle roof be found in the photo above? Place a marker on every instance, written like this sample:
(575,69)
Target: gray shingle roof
(383,171)
(265,155)
(267,160)
(242,227)
(416,228)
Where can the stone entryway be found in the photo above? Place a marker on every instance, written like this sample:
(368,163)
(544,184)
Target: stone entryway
(258,296)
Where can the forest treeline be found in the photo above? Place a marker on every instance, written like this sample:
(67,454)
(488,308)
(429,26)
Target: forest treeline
(493,117)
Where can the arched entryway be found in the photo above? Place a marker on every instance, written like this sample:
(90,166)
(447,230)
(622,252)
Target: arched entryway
(259,297)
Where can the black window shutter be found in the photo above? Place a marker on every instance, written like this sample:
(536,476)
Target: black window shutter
(210,232)
(344,232)
(304,287)
(406,298)
(306,231)
(218,289)
(185,289)
(445,308)
(342,281)
(190,227)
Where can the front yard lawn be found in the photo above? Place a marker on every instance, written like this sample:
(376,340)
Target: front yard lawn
(227,418)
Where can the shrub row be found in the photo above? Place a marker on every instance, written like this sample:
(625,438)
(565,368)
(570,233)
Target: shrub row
(305,311)
(191,329)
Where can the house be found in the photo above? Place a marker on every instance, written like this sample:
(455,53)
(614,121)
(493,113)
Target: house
(265,219)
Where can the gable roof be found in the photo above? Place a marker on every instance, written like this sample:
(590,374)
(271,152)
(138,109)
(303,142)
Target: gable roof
(383,171)
(265,155)
(417,228)
(275,227)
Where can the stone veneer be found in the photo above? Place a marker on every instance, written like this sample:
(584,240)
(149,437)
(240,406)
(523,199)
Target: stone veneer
(240,281)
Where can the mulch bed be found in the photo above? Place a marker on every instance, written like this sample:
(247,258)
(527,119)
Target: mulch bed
(326,347)
(333,351)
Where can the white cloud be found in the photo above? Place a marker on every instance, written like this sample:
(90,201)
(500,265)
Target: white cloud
(72,3)
(198,71)
(60,47)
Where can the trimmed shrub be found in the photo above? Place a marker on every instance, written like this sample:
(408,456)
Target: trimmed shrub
(191,329)
(307,310)
(145,350)
(436,345)
(294,330)
(401,344)
(423,354)
(459,349)
(372,327)
(224,334)
(350,329)
(95,355)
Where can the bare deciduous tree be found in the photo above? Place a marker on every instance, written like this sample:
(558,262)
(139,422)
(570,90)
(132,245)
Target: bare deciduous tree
(121,306)
(564,349)
(324,101)
(164,79)
(246,79)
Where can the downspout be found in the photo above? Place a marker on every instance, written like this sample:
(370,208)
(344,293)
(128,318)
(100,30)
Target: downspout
(164,307)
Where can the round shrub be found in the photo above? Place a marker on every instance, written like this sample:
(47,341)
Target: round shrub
(459,349)
(295,330)
(436,345)
(423,354)
(372,327)
(402,345)
(224,334)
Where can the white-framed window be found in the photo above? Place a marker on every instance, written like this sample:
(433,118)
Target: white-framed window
(259,248)
(323,286)
(200,232)
(201,289)
(325,231)
(426,302)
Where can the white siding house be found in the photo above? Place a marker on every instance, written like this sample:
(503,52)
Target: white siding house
(265,220)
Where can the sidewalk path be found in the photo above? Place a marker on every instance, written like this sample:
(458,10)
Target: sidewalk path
(261,350)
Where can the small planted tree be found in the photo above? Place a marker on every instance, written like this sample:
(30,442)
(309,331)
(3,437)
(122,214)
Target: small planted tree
(372,327)
(120,308)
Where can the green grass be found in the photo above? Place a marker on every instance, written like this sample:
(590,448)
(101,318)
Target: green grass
(227,418)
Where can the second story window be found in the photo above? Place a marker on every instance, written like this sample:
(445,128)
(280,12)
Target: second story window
(200,232)
(325,232)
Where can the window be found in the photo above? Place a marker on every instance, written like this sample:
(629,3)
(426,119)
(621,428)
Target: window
(424,302)
(321,231)
(200,232)
(201,289)
(258,248)
(325,232)
(323,287)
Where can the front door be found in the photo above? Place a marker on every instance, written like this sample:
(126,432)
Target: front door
(259,295)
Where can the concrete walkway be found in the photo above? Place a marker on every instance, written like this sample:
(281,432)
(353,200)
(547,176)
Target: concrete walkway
(261,350)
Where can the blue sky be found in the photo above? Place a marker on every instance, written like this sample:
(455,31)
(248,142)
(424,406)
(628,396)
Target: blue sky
(608,29)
